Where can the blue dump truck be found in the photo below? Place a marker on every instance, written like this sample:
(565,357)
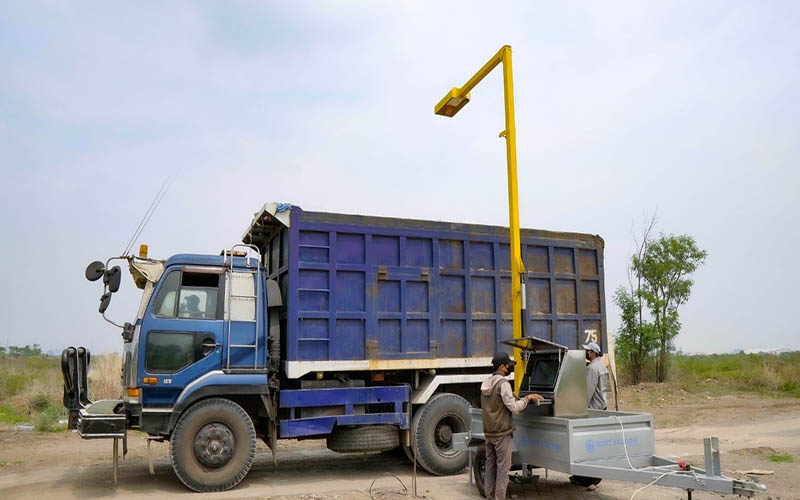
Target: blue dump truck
(373,333)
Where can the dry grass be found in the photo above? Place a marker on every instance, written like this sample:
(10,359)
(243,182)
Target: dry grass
(768,374)
(27,383)
(105,377)
(31,388)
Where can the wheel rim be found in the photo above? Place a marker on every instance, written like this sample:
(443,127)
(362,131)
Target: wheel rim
(443,434)
(481,466)
(214,445)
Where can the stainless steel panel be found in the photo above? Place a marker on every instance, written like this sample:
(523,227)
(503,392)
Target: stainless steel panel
(571,399)
(601,437)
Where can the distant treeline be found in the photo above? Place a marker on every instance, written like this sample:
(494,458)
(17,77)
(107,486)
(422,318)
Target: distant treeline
(24,351)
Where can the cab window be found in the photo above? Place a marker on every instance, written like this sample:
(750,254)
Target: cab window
(169,352)
(187,295)
(164,306)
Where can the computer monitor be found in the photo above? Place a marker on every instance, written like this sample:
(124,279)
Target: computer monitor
(544,373)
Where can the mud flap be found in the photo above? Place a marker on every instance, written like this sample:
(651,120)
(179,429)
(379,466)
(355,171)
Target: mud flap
(272,427)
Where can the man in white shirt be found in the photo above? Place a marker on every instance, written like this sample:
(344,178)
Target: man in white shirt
(596,377)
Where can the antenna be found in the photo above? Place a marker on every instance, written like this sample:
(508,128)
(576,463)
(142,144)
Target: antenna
(149,213)
(136,231)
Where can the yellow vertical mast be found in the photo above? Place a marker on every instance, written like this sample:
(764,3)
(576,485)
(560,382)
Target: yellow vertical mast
(456,99)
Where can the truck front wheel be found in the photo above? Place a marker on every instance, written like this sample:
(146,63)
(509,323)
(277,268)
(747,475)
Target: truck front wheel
(213,445)
(432,431)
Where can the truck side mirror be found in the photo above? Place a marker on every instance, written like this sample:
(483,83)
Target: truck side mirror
(95,270)
(127,332)
(105,300)
(112,278)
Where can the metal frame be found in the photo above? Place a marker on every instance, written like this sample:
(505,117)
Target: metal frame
(345,398)
(428,386)
(296,369)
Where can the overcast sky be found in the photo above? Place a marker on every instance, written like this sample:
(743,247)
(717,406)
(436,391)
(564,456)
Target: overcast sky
(687,108)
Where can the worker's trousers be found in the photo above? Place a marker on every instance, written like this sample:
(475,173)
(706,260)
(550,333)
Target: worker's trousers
(498,465)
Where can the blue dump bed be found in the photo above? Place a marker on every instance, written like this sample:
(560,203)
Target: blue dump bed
(383,293)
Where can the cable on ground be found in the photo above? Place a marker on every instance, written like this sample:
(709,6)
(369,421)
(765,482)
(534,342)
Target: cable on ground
(405,490)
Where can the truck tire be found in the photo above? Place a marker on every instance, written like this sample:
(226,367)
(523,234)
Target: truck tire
(213,445)
(371,438)
(432,430)
(479,469)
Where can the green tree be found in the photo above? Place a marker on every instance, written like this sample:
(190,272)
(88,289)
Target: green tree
(636,339)
(665,269)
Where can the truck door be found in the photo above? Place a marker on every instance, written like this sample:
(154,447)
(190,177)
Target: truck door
(181,333)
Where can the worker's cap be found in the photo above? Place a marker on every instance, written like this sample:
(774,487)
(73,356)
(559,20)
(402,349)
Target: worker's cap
(591,346)
(502,358)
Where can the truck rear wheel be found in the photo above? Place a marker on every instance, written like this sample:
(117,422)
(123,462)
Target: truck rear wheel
(432,430)
(213,445)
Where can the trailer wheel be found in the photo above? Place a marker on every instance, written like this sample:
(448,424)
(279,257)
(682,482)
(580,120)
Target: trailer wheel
(371,438)
(584,481)
(432,430)
(479,469)
(213,445)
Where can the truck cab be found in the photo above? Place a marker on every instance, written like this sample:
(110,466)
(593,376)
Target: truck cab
(198,342)
(202,330)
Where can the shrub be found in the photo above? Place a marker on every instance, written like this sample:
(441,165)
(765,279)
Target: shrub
(38,402)
(47,421)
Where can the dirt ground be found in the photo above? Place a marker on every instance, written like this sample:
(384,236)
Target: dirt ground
(750,428)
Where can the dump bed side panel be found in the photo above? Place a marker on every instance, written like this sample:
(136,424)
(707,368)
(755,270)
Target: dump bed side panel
(369,288)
